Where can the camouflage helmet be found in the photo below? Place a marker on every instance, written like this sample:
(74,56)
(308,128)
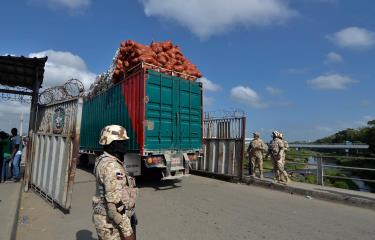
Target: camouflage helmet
(281,135)
(275,134)
(112,133)
(256,134)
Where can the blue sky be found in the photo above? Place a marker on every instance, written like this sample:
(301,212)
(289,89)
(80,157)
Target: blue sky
(303,67)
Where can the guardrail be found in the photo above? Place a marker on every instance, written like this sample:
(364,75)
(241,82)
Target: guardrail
(325,162)
(321,166)
(326,158)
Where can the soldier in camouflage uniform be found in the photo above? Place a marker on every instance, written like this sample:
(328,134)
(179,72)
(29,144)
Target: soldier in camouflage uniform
(286,147)
(111,220)
(277,150)
(255,151)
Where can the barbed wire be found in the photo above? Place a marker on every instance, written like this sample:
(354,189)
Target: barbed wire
(71,89)
(222,114)
(4,96)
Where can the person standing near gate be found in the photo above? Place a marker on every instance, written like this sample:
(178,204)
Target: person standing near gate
(5,149)
(114,201)
(255,151)
(3,143)
(16,155)
(277,149)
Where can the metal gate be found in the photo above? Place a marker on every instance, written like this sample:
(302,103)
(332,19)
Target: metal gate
(55,145)
(223,146)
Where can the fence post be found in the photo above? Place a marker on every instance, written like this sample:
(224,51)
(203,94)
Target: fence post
(243,136)
(320,171)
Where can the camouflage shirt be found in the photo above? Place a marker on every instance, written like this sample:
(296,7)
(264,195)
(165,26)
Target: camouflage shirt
(110,182)
(256,148)
(277,148)
(111,175)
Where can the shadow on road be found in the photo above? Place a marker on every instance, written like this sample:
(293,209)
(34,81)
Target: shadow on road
(156,183)
(151,179)
(84,235)
(86,168)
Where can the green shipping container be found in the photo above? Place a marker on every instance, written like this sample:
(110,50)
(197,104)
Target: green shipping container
(160,113)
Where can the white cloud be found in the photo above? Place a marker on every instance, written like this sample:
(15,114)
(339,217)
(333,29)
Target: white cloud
(353,37)
(212,17)
(273,91)
(248,96)
(10,114)
(208,85)
(62,66)
(331,82)
(69,4)
(333,57)
(208,101)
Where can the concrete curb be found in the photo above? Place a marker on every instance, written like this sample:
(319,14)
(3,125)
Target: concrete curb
(322,194)
(338,197)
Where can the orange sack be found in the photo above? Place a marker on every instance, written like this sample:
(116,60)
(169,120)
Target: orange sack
(164,56)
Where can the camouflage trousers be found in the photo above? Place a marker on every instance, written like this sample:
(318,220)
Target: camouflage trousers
(280,173)
(256,161)
(105,229)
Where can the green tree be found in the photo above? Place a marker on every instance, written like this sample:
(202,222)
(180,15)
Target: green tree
(360,135)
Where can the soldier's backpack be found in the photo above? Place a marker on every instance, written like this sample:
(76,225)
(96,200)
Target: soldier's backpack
(274,148)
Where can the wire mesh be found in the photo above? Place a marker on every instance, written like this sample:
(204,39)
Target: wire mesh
(7,94)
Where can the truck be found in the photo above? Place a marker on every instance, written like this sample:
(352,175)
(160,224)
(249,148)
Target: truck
(162,114)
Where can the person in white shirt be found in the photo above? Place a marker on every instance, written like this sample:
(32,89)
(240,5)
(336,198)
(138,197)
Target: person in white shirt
(16,155)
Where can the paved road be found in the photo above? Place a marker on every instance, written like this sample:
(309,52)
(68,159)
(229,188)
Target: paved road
(202,208)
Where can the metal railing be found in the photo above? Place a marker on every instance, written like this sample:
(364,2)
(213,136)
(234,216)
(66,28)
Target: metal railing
(323,164)
(327,163)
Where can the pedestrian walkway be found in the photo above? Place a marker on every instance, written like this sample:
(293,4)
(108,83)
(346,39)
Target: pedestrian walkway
(346,196)
(9,202)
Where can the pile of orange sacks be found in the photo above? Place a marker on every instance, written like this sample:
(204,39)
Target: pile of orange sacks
(163,55)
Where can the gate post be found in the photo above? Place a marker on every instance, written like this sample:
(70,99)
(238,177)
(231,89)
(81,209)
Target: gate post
(28,161)
(320,171)
(243,133)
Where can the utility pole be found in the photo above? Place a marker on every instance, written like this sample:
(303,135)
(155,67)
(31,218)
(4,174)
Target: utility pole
(21,124)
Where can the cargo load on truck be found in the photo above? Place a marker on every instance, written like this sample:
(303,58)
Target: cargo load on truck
(164,57)
(161,111)
(159,54)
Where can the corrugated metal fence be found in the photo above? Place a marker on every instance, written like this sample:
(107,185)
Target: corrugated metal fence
(55,145)
(223,147)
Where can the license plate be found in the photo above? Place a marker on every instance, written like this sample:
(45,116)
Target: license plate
(175,160)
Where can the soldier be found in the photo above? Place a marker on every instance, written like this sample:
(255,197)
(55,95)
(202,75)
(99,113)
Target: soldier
(277,149)
(286,147)
(114,200)
(255,151)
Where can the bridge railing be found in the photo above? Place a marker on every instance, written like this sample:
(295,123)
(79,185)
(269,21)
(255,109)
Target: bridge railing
(353,172)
